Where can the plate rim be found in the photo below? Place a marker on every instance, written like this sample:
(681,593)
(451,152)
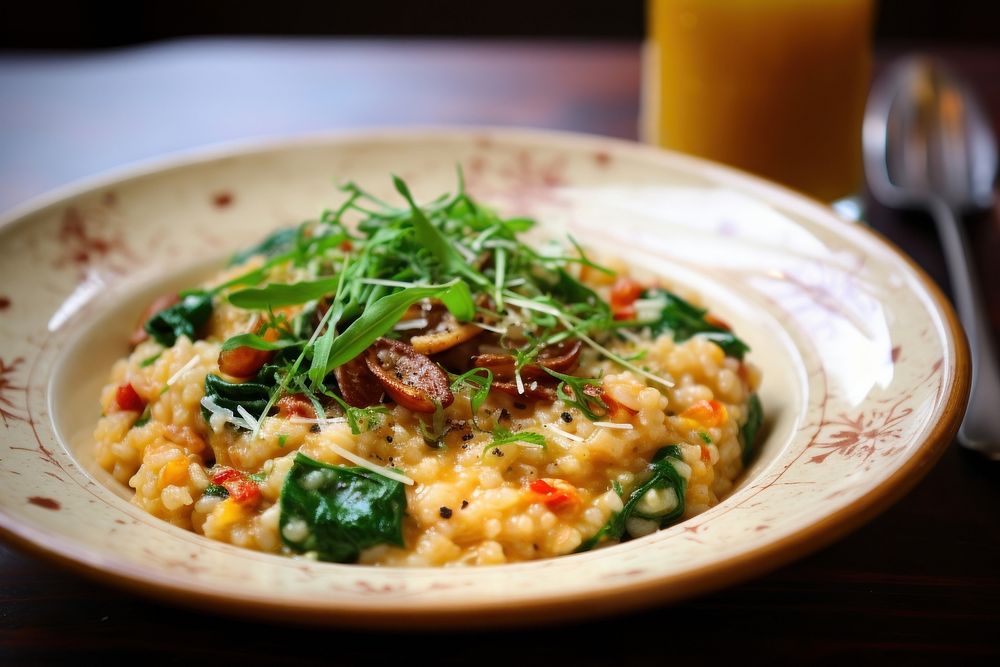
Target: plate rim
(657,590)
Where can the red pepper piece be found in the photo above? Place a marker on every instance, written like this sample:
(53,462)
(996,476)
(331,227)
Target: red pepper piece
(128,399)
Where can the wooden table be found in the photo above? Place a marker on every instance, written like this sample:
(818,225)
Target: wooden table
(921,582)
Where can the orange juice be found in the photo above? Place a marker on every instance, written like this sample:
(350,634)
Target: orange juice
(776,87)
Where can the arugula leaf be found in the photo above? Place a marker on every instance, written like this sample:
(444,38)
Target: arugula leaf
(686,320)
(476,380)
(458,301)
(277,243)
(284,294)
(589,402)
(435,241)
(748,432)
(337,511)
(181,319)
(379,318)
(663,476)
(258,343)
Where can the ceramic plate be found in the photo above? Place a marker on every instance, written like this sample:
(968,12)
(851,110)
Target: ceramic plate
(865,372)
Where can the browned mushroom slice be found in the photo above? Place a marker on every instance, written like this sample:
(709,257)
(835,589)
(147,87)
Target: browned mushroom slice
(410,378)
(533,389)
(562,357)
(158,304)
(359,387)
(447,334)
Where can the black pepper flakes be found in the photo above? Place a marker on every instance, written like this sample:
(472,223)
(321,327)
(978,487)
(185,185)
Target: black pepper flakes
(566,417)
(497,451)
(314,428)
(388,438)
(465,503)
(445,512)
(467,436)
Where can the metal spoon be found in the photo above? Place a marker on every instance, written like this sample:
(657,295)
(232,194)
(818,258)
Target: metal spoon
(928,144)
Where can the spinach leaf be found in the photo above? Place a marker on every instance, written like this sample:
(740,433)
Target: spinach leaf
(278,242)
(748,432)
(181,319)
(254,395)
(663,476)
(337,511)
(686,320)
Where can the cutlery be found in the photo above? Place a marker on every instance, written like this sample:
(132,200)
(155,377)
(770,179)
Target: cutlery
(928,144)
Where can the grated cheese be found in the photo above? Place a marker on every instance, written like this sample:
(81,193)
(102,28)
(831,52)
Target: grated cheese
(295,419)
(250,420)
(566,434)
(621,427)
(418,323)
(365,463)
(221,416)
(183,369)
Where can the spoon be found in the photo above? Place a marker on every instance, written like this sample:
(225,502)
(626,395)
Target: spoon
(928,144)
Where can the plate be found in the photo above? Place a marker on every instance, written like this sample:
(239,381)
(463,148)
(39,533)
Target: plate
(866,372)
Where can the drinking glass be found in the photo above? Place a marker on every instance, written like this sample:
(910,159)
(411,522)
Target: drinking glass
(775,87)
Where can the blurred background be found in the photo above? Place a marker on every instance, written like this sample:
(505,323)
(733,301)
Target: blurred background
(90,25)
(91,86)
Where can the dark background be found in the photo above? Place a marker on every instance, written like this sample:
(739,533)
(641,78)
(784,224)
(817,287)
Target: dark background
(44,24)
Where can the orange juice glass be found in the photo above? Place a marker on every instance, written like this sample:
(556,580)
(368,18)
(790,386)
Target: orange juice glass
(776,87)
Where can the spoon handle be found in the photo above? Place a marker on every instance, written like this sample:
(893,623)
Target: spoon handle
(980,429)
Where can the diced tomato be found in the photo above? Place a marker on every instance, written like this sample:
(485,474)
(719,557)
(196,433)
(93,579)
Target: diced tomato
(242,491)
(128,399)
(557,495)
(705,454)
(707,413)
(346,245)
(623,295)
(225,475)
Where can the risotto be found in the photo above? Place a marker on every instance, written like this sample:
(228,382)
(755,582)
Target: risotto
(415,386)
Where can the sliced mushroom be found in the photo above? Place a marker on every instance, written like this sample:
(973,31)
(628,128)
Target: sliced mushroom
(359,387)
(158,304)
(448,337)
(562,357)
(410,378)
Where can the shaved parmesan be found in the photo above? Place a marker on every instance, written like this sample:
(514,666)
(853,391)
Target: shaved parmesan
(365,463)
(566,434)
(221,416)
(614,425)
(183,369)
(418,323)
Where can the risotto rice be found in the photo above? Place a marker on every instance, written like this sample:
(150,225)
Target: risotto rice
(547,437)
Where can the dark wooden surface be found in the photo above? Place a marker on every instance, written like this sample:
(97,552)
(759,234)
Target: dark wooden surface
(920,583)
